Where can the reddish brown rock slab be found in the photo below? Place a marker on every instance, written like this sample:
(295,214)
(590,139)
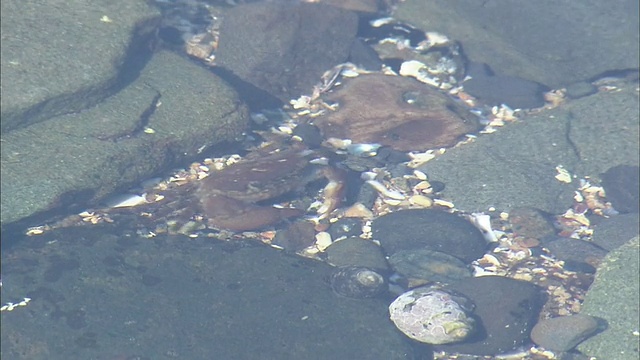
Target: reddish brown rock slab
(398,112)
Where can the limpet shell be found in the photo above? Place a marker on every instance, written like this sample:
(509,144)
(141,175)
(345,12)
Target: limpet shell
(358,282)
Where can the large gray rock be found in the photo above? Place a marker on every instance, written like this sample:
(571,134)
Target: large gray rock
(58,57)
(553,43)
(515,166)
(284,49)
(79,158)
(99,293)
(614,297)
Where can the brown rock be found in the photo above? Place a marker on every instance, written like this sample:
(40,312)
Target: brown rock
(396,111)
(563,333)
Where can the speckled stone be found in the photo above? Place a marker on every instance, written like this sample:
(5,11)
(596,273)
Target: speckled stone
(563,333)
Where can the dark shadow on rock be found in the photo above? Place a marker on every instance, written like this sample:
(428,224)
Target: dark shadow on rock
(255,98)
(137,55)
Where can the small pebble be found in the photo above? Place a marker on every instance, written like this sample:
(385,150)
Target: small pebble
(563,333)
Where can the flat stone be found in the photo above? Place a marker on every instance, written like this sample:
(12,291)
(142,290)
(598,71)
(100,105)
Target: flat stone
(183,297)
(515,166)
(553,44)
(284,49)
(616,231)
(614,297)
(76,159)
(58,57)
(507,310)
(576,254)
(395,111)
(512,91)
(622,185)
(563,333)
(605,129)
(429,229)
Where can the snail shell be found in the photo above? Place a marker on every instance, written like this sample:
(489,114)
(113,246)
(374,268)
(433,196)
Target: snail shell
(358,282)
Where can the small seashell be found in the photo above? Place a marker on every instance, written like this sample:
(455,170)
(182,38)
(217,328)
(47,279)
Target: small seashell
(421,200)
(364,150)
(393,202)
(420,175)
(563,175)
(392,194)
(358,282)
(444,203)
(323,240)
(125,200)
(34,231)
(381,22)
(422,185)
(491,259)
(338,143)
(412,68)
(358,210)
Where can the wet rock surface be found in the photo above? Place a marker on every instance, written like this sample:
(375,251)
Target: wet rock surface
(283,49)
(622,184)
(397,112)
(427,265)
(616,231)
(506,310)
(614,298)
(181,296)
(84,156)
(578,255)
(86,59)
(522,38)
(229,197)
(515,92)
(296,236)
(429,229)
(515,167)
(563,333)
(356,252)
(531,223)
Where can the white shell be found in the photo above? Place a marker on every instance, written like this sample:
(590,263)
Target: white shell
(126,200)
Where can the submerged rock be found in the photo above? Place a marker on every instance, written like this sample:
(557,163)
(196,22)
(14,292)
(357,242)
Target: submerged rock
(429,229)
(565,332)
(432,316)
(397,112)
(284,48)
(429,265)
(355,251)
